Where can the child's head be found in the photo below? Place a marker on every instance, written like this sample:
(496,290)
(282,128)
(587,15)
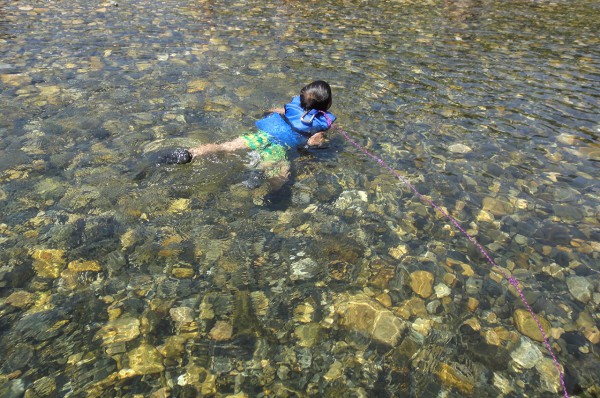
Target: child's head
(316,95)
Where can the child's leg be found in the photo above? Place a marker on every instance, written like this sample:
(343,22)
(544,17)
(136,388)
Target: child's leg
(276,165)
(278,174)
(229,146)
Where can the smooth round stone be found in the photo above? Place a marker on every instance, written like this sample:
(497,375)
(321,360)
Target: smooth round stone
(527,326)
(459,148)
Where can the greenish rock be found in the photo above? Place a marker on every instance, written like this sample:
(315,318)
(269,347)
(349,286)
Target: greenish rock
(12,389)
(20,299)
(580,288)
(146,359)
(45,386)
(308,334)
(173,348)
(497,206)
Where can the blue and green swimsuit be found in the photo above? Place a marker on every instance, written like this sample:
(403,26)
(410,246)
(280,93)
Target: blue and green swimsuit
(279,133)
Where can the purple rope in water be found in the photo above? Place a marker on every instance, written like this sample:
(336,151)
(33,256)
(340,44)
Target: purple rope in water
(511,279)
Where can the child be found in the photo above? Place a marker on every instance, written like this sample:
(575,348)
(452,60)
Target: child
(300,123)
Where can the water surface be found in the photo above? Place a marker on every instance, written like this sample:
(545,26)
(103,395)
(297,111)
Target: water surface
(123,277)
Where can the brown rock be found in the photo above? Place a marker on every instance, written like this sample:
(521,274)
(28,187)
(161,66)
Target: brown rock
(48,263)
(497,207)
(363,314)
(527,326)
(120,330)
(15,80)
(83,266)
(413,307)
(182,273)
(472,304)
(421,282)
(385,300)
(20,299)
(382,278)
(592,334)
(197,85)
(145,360)
(452,378)
(450,279)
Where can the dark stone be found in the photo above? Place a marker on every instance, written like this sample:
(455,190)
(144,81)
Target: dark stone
(18,277)
(562,258)
(526,228)
(574,341)
(553,234)
(115,261)
(87,373)
(39,326)
(18,358)
(253,179)
(115,286)
(491,356)
(178,156)
(495,170)
(100,134)
(491,287)
(62,234)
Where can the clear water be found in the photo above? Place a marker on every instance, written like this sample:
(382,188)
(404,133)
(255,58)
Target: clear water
(482,105)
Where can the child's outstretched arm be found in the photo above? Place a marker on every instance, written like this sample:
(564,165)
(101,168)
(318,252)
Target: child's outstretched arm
(229,146)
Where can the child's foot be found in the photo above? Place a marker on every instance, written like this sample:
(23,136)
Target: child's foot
(178,156)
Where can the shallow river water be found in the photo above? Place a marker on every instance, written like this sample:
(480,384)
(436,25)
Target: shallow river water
(124,277)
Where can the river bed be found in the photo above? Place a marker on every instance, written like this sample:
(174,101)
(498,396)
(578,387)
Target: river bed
(121,276)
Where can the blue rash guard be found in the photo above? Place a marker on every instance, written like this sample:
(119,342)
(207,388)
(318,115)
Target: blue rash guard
(297,126)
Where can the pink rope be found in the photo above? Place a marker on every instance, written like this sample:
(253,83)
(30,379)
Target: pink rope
(511,279)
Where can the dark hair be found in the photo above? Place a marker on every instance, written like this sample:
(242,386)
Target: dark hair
(316,95)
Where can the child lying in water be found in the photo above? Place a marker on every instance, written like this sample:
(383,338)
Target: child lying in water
(300,123)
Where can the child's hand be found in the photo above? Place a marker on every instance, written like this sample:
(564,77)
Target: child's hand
(317,139)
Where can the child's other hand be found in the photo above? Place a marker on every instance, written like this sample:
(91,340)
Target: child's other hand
(317,139)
